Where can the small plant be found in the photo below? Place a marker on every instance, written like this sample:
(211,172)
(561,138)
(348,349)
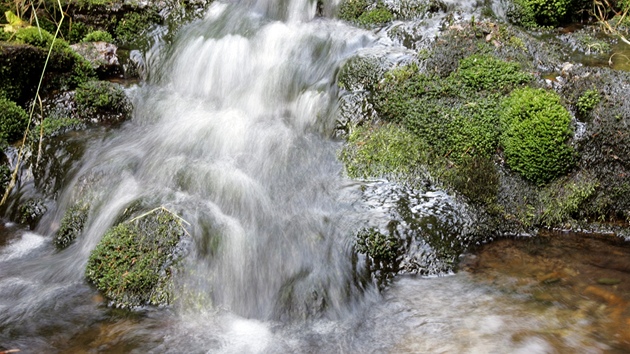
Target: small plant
(382,249)
(13,121)
(98,36)
(588,101)
(536,128)
(534,13)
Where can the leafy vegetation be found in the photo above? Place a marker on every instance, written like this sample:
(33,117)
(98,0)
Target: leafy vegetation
(534,13)
(536,128)
(588,101)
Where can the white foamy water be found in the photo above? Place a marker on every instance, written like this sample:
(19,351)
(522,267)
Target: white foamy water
(21,247)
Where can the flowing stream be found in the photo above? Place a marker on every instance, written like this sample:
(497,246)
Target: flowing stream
(233,132)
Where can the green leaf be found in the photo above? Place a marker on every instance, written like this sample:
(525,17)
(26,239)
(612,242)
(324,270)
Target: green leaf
(14,22)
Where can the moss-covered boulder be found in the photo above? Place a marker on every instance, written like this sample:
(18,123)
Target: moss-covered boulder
(22,64)
(133,265)
(102,101)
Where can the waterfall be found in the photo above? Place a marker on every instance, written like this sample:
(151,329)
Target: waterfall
(232,131)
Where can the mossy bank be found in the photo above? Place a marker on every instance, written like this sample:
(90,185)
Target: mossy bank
(477,111)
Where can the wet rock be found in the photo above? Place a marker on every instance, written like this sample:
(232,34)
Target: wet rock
(420,231)
(102,102)
(31,212)
(72,224)
(102,56)
(134,263)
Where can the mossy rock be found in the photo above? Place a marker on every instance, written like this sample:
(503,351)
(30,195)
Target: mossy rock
(22,64)
(133,263)
(72,224)
(476,178)
(382,151)
(98,36)
(133,26)
(377,16)
(536,129)
(71,68)
(360,73)
(455,116)
(486,72)
(351,10)
(52,126)
(565,199)
(102,101)
(20,69)
(13,121)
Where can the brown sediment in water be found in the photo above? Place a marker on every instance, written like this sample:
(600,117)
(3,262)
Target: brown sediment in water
(583,275)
